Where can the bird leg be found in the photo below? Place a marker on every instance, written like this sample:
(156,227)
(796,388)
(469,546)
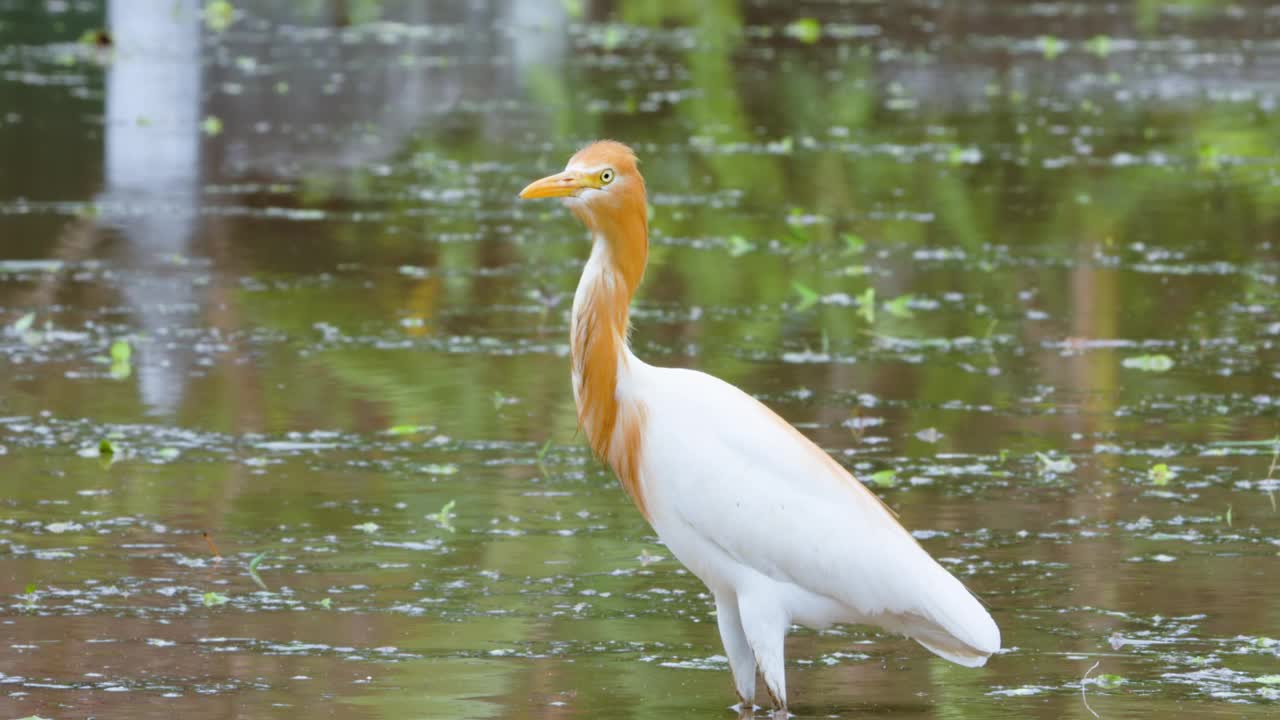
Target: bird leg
(741,660)
(765,624)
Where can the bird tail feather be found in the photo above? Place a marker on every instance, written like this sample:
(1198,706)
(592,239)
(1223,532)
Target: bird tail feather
(957,653)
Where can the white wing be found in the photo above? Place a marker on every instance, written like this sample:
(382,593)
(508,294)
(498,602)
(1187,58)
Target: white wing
(733,490)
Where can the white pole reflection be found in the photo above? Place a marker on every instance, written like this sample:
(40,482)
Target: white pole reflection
(152,193)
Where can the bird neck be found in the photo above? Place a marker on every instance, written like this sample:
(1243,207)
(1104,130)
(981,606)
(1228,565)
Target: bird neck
(602,361)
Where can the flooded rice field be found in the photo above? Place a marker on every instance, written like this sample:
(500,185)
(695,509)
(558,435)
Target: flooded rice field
(285,420)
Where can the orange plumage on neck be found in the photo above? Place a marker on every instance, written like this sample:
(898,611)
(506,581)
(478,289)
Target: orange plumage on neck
(613,425)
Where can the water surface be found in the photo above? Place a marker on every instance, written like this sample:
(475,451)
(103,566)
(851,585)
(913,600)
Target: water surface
(1014,265)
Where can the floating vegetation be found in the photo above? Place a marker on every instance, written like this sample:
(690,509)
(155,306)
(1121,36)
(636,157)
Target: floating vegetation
(1099,45)
(121,359)
(808,297)
(867,305)
(738,245)
(444,516)
(807,30)
(1050,46)
(884,478)
(1149,363)
(211,126)
(1020,280)
(219,15)
(253,570)
(1050,465)
(1160,474)
(900,307)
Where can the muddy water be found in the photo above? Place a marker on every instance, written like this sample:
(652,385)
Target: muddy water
(1014,265)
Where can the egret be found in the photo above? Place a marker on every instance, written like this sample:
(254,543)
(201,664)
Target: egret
(778,531)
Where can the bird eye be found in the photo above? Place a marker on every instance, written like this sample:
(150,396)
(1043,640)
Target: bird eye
(606,177)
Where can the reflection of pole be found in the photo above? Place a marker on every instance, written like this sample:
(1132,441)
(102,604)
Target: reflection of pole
(152,148)
(153,97)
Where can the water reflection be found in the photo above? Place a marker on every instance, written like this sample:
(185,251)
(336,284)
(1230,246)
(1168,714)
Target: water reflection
(931,236)
(151,143)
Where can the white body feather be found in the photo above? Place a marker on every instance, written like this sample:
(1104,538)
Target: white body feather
(782,534)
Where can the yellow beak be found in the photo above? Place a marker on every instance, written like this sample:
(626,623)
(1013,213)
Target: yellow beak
(559,185)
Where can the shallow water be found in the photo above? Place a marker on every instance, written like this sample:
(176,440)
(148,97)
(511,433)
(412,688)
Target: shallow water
(279,268)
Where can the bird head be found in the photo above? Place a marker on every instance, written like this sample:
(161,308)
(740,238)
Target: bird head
(600,180)
(603,187)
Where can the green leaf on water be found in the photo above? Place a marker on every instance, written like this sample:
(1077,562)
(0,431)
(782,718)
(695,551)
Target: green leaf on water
(1210,157)
(739,246)
(122,351)
(404,429)
(572,8)
(211,126)
(120,370)
(797,225)
(1099,45)
(542,456)
(1055,465)
(23,324)
(613,37)
(29,596)
(884,478)
(168,453)
(1051,46)
(326,603)
(107,453)
(1108,680)
(367,527)
(807,30)
(121,355)
(899,307)
(1148,363)
(253,570)
(213,599)
(1160,474)
(443,515)
(218,15)
(867,305)
(440,468)
(853,244)
(808,297)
